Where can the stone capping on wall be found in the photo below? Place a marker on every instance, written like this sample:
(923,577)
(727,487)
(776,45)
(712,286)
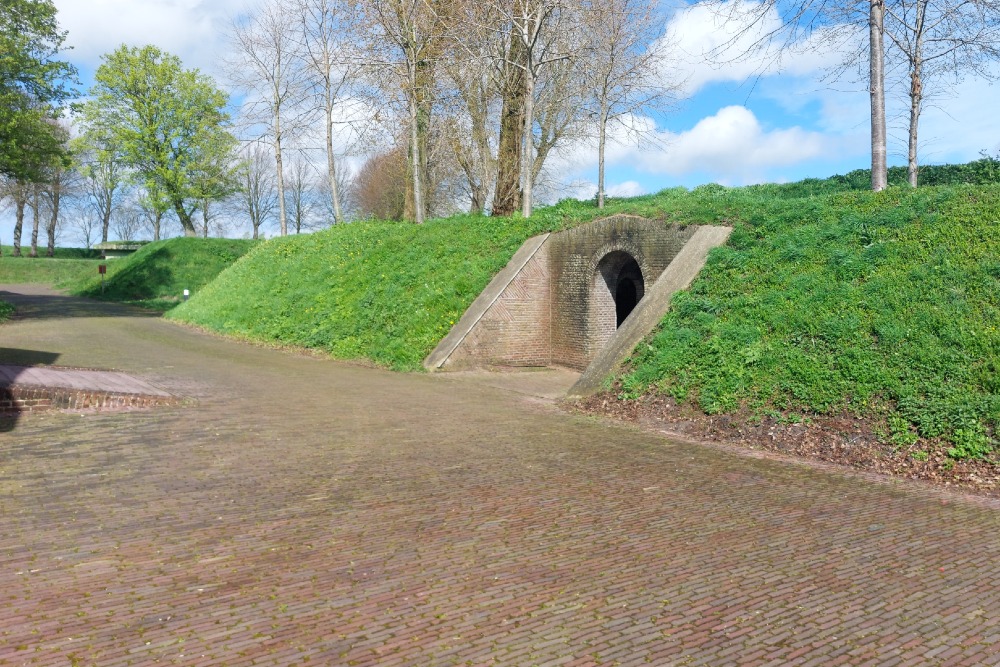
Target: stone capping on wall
(648,313)
(439,356)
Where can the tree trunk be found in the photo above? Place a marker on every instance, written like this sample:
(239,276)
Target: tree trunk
(601,142)
(507,196)
(282,214)
(916,94)
(50,231)
(876,25)
(916,98)
(18,220)
(157,219)
(204,218)
(415,175)
(35,220)
(185,218)
(527,152)
(331,162)
(105,224)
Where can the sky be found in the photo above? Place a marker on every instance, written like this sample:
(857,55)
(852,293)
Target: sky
(749,121)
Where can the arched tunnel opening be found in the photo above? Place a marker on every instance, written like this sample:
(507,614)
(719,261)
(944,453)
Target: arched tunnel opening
(623,277)
(625,299)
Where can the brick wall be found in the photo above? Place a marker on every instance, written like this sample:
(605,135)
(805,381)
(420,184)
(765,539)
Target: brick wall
(16,399)
(560,308)
(514,331)
(584,264)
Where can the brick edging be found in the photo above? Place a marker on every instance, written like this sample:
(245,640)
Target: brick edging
(16,399)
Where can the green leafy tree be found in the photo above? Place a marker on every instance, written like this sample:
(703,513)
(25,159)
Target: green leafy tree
(168,124)
(33,85)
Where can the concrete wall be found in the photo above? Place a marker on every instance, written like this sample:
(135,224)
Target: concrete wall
(554,303)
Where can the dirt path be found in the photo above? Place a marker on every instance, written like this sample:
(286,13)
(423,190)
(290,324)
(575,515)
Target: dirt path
(306,510)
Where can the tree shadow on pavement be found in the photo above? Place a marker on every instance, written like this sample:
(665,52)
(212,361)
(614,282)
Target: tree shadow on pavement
(12,363)
(58,306)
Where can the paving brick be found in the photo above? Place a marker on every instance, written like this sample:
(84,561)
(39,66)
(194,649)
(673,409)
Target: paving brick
(299,508)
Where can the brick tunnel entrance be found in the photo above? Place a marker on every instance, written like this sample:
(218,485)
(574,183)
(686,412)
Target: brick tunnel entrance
(620,286)
(564,295)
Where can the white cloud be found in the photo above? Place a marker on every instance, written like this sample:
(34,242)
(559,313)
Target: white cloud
(626,189)
(190,29)
(730,146)
(733,145)
(739,41)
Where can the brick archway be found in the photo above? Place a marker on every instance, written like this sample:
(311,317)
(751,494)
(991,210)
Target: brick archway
(618,285)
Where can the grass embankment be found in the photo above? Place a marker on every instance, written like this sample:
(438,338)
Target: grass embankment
(883,305)
(156,275)
(47,270)
(386,292)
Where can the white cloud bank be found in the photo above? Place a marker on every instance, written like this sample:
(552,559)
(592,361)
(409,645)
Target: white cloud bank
(190,29)
(731,146)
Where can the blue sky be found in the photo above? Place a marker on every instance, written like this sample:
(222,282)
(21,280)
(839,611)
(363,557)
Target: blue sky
(746,122)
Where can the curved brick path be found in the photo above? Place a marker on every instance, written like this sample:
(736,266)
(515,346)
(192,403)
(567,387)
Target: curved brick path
(309,512)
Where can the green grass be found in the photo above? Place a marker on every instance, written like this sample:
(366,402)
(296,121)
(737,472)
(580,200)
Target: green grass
(374,290)
(880,304)
(157,275)
(6,310)
(60,253)
(58,272)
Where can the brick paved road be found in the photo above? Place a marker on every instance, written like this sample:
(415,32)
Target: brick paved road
(308,512)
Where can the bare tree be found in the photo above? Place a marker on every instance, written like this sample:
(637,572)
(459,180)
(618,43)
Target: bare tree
(560,106)
(469,125)
(127,222)
(623,60)
(267,67)
(330,51)
(831,20)
(258,196)
(539,33)
(104,178)
(377,188)
(300,195)
(938,39)
(86,223)
(407,39)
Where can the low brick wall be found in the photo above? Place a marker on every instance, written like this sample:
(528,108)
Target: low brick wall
(16,400)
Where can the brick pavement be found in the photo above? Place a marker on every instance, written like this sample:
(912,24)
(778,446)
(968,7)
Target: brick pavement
(310,512)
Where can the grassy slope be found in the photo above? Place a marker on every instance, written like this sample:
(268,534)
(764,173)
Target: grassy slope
(827,298)
(59,272)
(876,303)
(158,274)
(381,291)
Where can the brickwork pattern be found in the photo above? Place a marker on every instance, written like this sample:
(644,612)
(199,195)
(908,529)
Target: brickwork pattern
(16,399)
(515,331)
(389,520)
(560,308)
(583,315)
